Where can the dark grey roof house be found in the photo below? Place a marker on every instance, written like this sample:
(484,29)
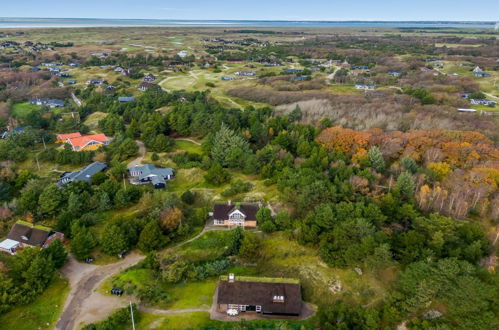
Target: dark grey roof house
(85,174)
(260,295)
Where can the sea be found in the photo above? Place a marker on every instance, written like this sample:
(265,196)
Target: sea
(100,22)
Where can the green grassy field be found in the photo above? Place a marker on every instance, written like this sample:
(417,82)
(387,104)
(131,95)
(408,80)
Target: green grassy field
(188,146)
(41,313)
(92,121)
(22,110)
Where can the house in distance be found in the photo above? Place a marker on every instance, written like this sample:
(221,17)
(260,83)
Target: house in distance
(148,173)
(80,142)
(85,174)
(235,215)
(242,294)
(24,234)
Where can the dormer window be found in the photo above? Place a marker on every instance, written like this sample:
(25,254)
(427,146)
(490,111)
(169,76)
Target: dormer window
(24,238)
(278,299)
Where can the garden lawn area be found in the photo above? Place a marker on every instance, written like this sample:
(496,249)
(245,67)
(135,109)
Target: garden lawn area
(209,246)
(191,294)
(188,146)
(22,110)
(92,121)
(42,313)
(175,321)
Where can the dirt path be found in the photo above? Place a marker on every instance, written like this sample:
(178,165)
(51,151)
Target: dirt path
(142,152)
(76,100)
(332,75)
(84,304)
(189,140)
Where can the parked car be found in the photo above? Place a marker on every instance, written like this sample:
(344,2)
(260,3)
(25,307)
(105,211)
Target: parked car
(122,254)
(117,292)
(89,260)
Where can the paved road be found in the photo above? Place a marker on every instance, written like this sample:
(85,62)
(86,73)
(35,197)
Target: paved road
(142,152)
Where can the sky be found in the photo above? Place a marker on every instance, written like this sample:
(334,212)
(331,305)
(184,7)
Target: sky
(378,10)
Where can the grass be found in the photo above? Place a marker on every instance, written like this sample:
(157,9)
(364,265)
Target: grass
(188,146)
(176,321)
(92,121)
(191,294)
(209,246)
(42,313)
(263,279)
(21,222)
(22,110)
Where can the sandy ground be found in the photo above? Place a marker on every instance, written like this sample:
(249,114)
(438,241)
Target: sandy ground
(84,304)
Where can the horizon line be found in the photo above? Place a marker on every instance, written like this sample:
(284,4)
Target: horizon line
(258,20)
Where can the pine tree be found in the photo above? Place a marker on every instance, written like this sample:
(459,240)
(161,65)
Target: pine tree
(113,239)
(405,184)
(57,253)
(150,238)
(376,159)
(82,243)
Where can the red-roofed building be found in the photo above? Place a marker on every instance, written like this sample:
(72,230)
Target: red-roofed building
(63,138)
(88,142)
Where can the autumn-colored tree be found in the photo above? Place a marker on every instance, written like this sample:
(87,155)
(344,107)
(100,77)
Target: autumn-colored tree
(170,218)
(343,139)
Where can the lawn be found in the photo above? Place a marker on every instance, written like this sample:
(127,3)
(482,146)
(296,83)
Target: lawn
(22,110)
(191,294)
(188,146)
(42,313)
(92,121)
(176,321)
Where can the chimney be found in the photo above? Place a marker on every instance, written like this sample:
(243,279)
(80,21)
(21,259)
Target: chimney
(231,278)
(229,202)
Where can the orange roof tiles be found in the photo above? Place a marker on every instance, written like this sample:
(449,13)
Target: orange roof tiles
(68,136)
(84,140)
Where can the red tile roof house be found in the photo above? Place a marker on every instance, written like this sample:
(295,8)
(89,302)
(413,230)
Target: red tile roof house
(80,142)
(63,138)
(242,294)
(24,234)
(232,215)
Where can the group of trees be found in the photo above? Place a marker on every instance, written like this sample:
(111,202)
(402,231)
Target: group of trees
(30,272)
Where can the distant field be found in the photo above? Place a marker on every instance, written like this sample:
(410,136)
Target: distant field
(42,313)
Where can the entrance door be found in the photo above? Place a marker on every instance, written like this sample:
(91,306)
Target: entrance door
(250,308)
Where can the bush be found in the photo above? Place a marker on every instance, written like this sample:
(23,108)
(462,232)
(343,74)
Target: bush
(237,187)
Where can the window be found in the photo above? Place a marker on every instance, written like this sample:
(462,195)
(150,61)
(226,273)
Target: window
(218,222)
(258,309)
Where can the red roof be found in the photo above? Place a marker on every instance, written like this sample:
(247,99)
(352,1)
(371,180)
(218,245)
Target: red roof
(68,136)
(84,140)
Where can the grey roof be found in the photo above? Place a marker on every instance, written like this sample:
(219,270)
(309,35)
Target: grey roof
(149,170)
(85,174)
(126,98)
